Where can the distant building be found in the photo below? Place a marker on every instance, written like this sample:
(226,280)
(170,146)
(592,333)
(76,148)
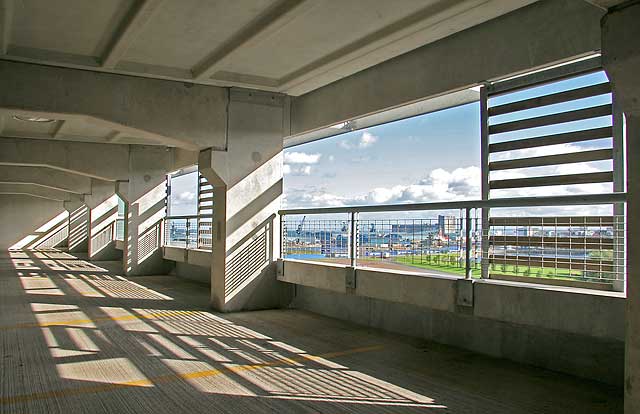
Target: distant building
(447,224)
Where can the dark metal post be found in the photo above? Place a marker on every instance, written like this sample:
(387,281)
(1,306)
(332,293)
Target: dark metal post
(187,234)
(353,239)
(467,235)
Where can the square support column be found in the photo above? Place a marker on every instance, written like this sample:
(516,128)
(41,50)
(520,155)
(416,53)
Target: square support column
(621,60)
(145,195)
(247,181)
(78,224)
(102,206)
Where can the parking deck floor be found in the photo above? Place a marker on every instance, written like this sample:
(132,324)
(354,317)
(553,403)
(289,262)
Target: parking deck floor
(77,337)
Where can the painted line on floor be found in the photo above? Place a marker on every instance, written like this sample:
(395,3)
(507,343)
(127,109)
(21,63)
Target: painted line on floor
(86,321)
(94,389)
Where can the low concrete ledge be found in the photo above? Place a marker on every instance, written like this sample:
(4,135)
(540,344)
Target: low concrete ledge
(575,310)
(327,276)
(435,292)
(199,258)
(194,257)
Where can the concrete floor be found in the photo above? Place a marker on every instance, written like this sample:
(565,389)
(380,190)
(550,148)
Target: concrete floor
(77,338)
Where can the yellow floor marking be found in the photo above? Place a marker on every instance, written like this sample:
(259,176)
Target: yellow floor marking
(153,315)
(174,377)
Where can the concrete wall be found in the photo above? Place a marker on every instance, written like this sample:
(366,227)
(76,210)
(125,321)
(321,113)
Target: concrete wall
(192,265)
(22,215)
(577,331)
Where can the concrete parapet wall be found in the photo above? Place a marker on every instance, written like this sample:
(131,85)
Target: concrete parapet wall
(201,258)
(570,330)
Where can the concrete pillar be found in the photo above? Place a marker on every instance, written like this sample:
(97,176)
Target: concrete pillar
(102,204)
(621,59)
(78,224)
(145,194)
(247,181)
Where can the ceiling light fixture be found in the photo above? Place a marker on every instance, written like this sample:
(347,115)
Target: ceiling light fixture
(32,119)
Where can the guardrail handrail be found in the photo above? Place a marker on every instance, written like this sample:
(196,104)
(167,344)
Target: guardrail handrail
(350,239)
(586,199)
(190,216)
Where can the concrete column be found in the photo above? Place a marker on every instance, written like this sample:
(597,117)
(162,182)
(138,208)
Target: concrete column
(621,59)
(102,204)
(145,194)
(78,224)
(247,181)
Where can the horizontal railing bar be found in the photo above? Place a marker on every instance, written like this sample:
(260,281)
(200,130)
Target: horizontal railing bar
(568,179)
(553,221)
(551,262)
(569,158)
(545,76)
(191,216)
(585,199)
(551,99)
(569,116)
(553,242)
(543,141)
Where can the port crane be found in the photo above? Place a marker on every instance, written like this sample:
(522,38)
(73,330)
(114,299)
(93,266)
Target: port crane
(299,230)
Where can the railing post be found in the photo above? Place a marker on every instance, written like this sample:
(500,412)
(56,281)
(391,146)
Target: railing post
(187,234)
(467,234)
(283,237)
(484,170)
(353,239)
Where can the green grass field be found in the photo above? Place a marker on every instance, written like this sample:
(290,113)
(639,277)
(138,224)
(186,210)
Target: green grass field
(450,264)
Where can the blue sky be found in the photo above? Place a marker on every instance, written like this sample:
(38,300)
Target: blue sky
(433,157)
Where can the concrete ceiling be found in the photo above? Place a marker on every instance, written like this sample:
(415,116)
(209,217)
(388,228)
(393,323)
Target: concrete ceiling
(289,46)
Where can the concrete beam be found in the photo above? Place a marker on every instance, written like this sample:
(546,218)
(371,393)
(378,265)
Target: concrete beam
(35,190)
(270,22)
(137,17)
(537,35)
(46,177)
(171,113)
(108,162)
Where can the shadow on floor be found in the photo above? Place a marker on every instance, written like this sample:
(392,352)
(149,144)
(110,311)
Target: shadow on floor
(79,337)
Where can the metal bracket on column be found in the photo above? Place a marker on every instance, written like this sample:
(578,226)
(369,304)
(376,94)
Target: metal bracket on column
(279,269)
(350,278)
(464,292)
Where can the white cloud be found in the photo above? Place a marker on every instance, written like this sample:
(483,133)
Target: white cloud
(186,196)
(296,170)
(301,158)
(459,184)
(440,185)
(366,140)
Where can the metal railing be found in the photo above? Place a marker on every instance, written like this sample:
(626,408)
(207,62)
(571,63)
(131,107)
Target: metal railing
(188,232)
(456,241)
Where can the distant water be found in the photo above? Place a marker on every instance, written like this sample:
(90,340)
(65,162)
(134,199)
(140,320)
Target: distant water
(306,256)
